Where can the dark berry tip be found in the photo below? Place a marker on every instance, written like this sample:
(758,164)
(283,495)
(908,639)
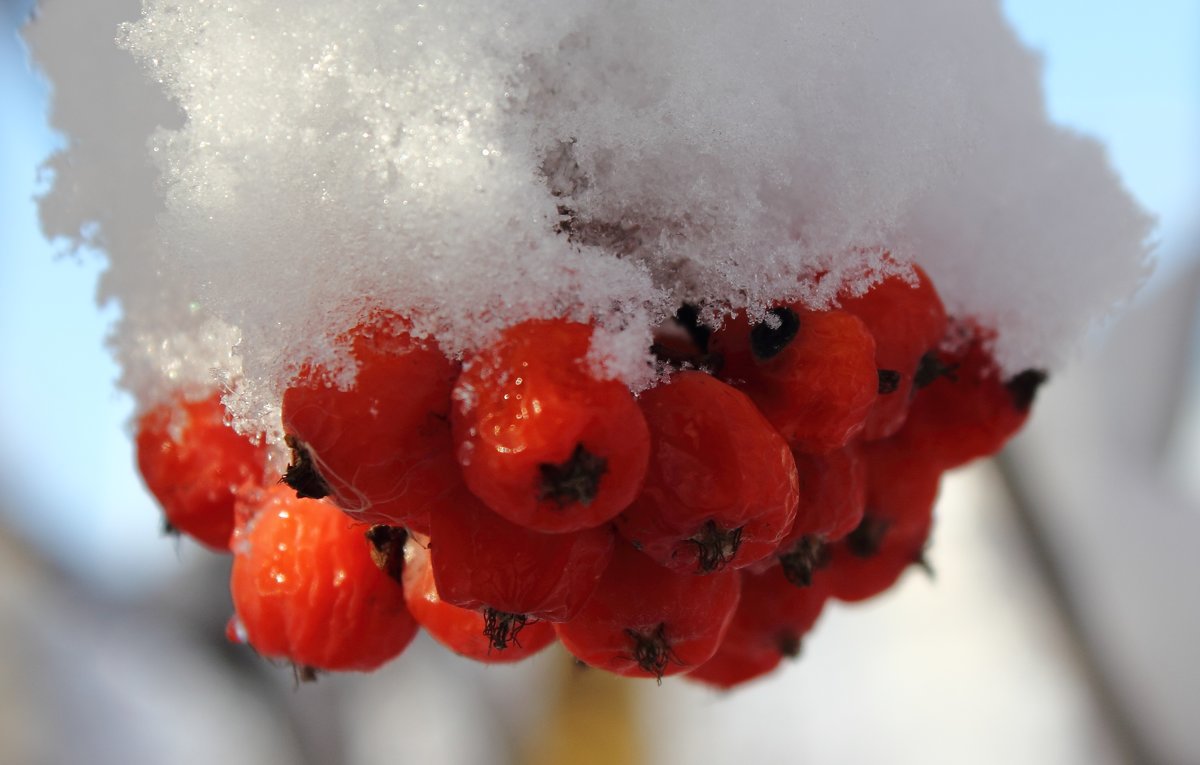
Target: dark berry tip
(688,317)
(387,549)
(930,368)
(921,561)
(807,556)
(715,546)
(302,475)
(576,480)
(652,651)
(1024,387)
(304,673)
(789,644)
(502,628)
(868,537)
(768,338)
(889,381)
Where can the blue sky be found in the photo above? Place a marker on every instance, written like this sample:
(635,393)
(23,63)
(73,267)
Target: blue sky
(1128,73)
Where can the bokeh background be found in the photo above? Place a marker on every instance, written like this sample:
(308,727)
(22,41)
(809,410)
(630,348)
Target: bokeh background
(1062,625)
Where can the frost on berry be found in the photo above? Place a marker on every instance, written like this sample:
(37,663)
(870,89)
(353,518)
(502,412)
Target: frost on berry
(577,480)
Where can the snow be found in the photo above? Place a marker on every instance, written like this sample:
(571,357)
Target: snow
(261,174)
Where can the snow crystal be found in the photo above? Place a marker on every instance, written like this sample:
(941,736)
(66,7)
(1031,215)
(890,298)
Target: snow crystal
(262,174)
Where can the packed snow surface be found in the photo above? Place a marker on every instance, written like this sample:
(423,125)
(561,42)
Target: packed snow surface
(260,173)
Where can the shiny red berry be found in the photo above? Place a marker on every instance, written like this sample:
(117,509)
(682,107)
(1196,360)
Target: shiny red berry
(543,440)
(892,535)
(648,621)
(721,488)
(833,496)
(485,636)
(195,464)
(306,590)
(907,320)
(970,409)
(812,373)
(380,449)
(771,619)
(481,561)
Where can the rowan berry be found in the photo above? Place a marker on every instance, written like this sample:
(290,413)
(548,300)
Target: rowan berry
(970,410)
(771,619)
(833,496)
(812,373)
(380,449)
(482,636)
(541,439)
(894,530)
(721,487)
(305,588)
(195,464)
(648,621)
(907,320)
(482,561)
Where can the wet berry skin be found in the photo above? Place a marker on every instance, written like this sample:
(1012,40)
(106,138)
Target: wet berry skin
(381,448)
(195,465)
(648,621)
(306,590)
(540,438)
(721,488)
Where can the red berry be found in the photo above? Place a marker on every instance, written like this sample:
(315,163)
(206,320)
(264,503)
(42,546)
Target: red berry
(721,488)
(380,449)
(907,321)
(901,490)
(195,465)
(767,627)
(648,621)
(969,410)
(833,496)
(477,635)
(481,561)
(812,373)
(543,441)
(305,588)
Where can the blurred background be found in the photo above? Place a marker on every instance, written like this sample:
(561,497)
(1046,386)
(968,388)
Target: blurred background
(1062,625)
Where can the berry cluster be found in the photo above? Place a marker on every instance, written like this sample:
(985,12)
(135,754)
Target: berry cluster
(517,497)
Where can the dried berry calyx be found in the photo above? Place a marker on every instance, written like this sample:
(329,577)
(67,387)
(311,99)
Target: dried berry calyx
(1024,387)
(387,549)
(302,474)
(715,546)
(806,556)
(502,628)
(769,337)
(652,651)
(577,480)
